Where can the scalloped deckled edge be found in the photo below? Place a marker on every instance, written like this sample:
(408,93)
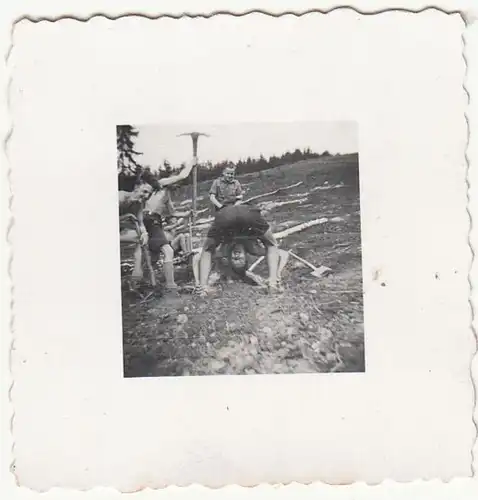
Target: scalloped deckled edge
(469,19)
(474,357)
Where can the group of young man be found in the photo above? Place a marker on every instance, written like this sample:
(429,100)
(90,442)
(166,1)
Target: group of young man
(149,220)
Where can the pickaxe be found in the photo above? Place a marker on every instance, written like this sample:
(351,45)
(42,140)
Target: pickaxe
(195,138)
(192,219)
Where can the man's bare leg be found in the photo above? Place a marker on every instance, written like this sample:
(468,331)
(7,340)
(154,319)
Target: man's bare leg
(181,242)
(272,258)
(195,264)
(138,263)
(272,264)
(131,236)
(168,267)
(204,268)
(283,259)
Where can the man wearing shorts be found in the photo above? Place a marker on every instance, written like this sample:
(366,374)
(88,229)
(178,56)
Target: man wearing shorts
(233,221)
(158,207)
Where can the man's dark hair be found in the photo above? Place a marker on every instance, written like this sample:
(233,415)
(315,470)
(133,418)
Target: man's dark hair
(128,182)
(148,177)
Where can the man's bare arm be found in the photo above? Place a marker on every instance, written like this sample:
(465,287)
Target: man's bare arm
(239,194)
(178,177)
(123,197)
(176,213)
(142,227)
(214,200)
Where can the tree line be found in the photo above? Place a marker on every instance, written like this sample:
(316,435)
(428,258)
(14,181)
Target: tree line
(130,168)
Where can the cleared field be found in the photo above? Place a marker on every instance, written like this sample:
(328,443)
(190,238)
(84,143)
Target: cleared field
(316,325)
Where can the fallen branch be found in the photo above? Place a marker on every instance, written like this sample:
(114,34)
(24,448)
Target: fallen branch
(269,205)
(201,226)
(326,187)
(272,192)
(300,227)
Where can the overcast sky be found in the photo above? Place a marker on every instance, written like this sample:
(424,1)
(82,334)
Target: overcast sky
(238,141)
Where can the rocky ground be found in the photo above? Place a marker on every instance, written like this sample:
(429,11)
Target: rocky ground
(315,325)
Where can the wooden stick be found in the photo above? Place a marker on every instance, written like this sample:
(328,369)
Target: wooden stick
(300,259)
(300,227)
(147,255)
(272,192)
(195,187)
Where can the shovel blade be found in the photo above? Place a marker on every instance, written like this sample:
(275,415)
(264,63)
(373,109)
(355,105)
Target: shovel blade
(321,271)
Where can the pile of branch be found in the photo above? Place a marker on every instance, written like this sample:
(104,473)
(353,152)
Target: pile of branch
(203,210)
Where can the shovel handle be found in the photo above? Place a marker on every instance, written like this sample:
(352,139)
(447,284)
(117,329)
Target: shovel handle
(255,264)
(147,255)
(300,259)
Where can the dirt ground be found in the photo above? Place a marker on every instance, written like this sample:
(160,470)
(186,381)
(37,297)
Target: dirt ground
(315,325)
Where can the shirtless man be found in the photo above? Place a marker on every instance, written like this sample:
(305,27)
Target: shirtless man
(148,210)
(157,208)
(233,221)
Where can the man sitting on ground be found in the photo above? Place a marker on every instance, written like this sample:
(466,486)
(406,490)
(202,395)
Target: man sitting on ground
(177,240)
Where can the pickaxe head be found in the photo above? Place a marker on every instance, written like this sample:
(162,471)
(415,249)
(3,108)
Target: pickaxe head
(195,136)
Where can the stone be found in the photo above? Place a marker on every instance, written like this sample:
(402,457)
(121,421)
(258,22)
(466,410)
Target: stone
(217,365)
(291,331)
(267,331)
(330,356)
(304,318)
(182,319)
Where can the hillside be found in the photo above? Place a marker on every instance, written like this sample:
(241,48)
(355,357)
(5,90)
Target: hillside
(315,325)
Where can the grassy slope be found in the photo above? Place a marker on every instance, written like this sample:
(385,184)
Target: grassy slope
(316,325)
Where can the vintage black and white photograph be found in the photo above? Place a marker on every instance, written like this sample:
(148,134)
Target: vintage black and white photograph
(263,258)
(240,249)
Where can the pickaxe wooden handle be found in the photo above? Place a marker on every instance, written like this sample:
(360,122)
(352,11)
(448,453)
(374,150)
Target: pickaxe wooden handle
(300,259)
(147,255)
